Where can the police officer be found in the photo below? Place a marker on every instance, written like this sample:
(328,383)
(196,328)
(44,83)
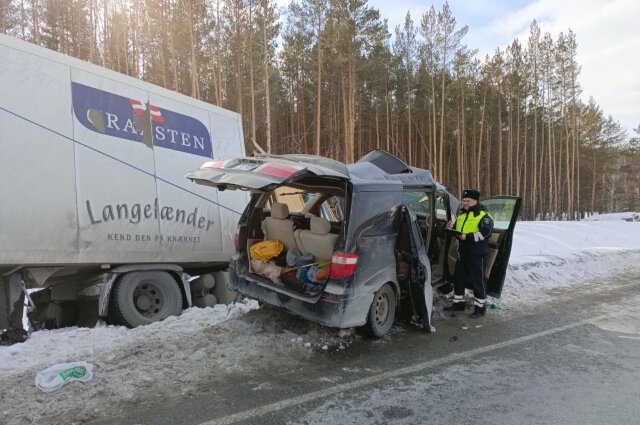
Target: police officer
(473,229)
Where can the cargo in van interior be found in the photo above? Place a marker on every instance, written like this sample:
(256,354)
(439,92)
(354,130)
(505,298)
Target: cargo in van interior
(307,219)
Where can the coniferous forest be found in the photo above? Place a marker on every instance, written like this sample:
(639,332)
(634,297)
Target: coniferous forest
(329,77)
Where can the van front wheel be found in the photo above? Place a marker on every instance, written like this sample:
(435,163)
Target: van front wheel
(382,312)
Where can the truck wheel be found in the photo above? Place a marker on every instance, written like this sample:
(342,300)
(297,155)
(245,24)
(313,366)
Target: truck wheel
(140,298)
(382,312)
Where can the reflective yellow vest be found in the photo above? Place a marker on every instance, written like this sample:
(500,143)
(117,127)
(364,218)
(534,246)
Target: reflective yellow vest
(467,222)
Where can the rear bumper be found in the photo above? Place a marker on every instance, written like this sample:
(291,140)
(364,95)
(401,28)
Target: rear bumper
(338,311)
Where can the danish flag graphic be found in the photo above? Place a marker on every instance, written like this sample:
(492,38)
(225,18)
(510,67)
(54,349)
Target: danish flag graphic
(139,109)
(156,116)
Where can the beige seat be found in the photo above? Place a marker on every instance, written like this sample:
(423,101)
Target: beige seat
(317,241)
(279,226)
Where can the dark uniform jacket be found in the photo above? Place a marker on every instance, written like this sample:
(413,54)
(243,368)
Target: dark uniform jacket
(477,224)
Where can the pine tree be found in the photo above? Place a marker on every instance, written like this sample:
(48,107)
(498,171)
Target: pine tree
(9,18)
(405,47)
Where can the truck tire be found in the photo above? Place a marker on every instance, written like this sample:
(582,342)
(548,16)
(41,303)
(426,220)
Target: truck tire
(141,298)
(382,312)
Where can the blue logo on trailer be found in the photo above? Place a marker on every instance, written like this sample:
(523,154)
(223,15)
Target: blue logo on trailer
(131,119)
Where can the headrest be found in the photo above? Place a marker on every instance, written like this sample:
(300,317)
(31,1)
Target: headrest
(320,226)
(279,211)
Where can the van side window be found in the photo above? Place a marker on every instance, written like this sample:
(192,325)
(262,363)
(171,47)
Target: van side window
(441,208)
(333,209)
(501,211)
(418,202)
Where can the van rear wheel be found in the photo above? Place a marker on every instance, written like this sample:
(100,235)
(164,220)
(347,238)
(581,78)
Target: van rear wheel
(141,298)
(382,312)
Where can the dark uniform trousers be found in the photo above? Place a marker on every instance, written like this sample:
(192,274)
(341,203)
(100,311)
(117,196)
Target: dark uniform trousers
(470,266)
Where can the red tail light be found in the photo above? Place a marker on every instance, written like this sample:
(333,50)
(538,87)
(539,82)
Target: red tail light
(216,163)
(277,170)
(343,265)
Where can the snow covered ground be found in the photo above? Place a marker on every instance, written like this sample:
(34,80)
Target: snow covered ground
(554,254)
(158,361)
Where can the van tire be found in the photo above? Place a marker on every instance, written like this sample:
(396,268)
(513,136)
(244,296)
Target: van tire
(141,298)
(382,312)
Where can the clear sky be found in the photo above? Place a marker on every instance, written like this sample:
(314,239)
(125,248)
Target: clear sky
(607,32)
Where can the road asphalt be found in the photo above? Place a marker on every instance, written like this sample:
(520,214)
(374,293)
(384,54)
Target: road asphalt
(574,360)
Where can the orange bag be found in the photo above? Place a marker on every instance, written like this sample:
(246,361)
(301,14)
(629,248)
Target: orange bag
(266,250)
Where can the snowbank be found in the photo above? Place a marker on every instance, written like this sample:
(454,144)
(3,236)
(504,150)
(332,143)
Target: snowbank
(555,254)
(72,344)
(626,216)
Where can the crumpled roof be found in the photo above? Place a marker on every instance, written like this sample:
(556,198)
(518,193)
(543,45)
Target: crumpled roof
(379,166)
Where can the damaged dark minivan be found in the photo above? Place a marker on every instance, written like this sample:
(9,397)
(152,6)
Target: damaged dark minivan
(359,242)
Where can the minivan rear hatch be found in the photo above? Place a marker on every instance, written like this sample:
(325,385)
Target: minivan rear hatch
(265,172)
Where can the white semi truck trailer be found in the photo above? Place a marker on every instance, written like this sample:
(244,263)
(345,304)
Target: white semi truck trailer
(95,211)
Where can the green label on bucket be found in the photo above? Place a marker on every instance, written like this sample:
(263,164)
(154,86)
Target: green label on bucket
(74,372)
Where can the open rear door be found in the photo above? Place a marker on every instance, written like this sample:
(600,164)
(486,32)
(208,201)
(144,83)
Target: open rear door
(264,172)
(504,210)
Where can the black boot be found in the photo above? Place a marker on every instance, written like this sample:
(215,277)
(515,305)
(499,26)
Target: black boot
(478,312)
(455,307)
